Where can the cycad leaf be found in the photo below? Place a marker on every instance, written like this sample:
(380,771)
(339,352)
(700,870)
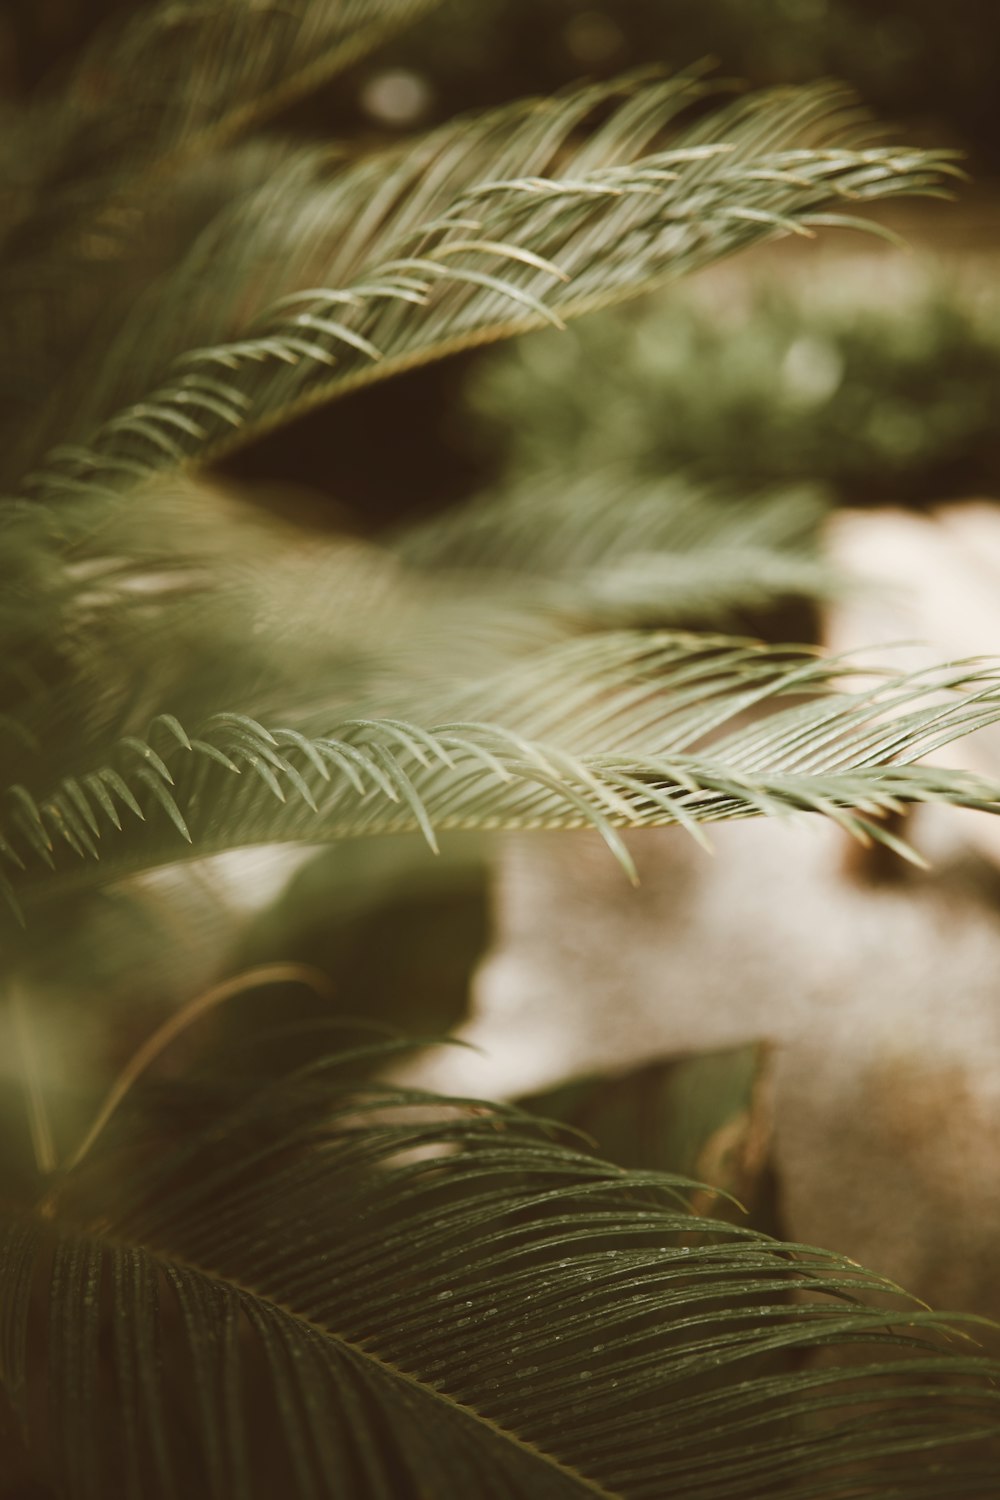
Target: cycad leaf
(281,222)
(108,182)
(202,615)
(608,732)
(500,249)
(609,550)
(188,76)
(328,1302)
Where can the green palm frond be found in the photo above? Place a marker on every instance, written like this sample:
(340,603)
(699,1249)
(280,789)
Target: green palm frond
(280,220)
(189,75)
(607,550)
(617,731)
(455,1304)
(190,602)
(497,254)
(105,184)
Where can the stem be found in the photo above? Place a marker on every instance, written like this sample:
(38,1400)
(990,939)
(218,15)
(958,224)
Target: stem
(178,1023)
(39,1121)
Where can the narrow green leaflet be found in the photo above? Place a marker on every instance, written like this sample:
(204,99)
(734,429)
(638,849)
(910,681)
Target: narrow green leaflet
(107,181)
(325,1301)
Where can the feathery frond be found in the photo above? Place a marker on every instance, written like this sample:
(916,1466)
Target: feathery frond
(608,732)
(496,254)
(281,221)
(105,182)
(189,76)
(457,1305)
(610,551)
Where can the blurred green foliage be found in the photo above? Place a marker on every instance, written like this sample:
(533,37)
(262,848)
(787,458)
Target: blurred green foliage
(885,401)
(396,933)
(906,59)
(316,1243)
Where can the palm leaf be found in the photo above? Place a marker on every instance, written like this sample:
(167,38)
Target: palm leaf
(608,550)
(275,221)
(191,76)
(324,1301)
(106,182)
(497,254)
(279,219)
(112,612)
(609,732)
(191,600)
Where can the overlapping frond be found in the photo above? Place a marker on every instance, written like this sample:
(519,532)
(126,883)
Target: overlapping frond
(106,182)
(181,77)
(454,1303)
(610,550)
(609,732)
(281,220)
(189,600)
(500,249)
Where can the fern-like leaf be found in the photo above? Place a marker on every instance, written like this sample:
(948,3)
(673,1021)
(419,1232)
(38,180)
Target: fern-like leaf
(106,181)
(496,254)
(610,732)
(467,1308)
(189,76)
(607,550)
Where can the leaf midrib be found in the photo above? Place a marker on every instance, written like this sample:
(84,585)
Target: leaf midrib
(386,1367)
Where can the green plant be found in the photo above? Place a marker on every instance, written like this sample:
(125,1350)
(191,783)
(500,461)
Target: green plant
(313,1280)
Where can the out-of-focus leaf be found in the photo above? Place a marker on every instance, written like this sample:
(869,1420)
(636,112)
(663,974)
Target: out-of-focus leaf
(706,1116)
(397,935)
(880,382)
